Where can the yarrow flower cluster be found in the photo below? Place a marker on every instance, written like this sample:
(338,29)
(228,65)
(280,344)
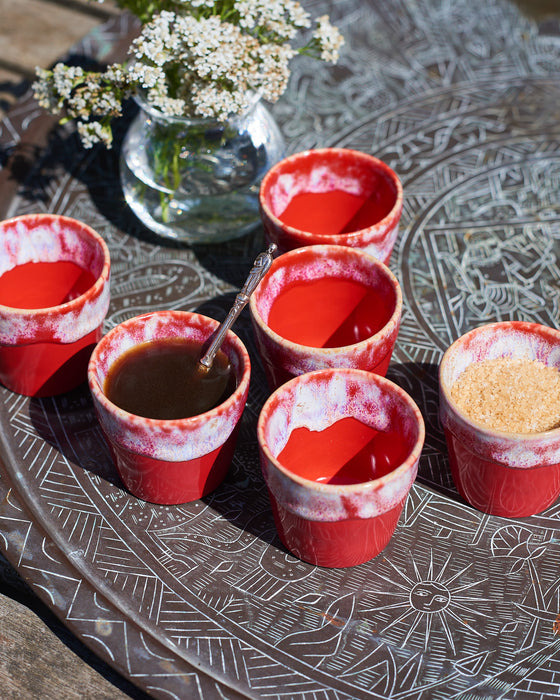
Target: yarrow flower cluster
(192,58)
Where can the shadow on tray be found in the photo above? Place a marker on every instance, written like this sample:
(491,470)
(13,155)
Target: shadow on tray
(420,381)
(37,171)
(69,424)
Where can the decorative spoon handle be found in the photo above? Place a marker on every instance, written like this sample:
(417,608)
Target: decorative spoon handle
(260,267)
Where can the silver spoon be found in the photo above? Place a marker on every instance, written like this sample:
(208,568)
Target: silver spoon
(260,267)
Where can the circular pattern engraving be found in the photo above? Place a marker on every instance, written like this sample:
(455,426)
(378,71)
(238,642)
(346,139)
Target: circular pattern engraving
(461,99)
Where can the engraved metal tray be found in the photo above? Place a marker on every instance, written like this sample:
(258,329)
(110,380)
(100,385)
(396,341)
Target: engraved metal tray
(462,99)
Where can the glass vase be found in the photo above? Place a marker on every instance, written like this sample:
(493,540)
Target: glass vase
(197,180)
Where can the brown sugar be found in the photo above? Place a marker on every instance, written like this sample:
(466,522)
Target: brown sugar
(509,394)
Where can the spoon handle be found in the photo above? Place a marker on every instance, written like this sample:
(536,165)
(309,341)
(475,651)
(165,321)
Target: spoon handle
(260,267)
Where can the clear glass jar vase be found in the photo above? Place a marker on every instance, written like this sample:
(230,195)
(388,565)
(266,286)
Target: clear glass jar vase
(197,180)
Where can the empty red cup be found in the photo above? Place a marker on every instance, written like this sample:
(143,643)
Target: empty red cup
(332,196)
(169,461)
(54,296)
(339,452)
(508,474)
(325,306)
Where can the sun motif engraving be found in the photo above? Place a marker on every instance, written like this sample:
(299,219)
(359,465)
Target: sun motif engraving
(430,603)
(429,597)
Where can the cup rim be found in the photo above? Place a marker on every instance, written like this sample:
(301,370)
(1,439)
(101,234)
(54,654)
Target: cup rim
(382,167)
(445,390)
(385,330)
(348,489)
(77,302)
(191,421)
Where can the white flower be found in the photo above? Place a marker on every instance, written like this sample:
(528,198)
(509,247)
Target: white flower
(146,76)
(65,77)
(93,132)
(275,71)
(171,107)
(157,41)
(198,58)
(114,75)
(282,18)
(44,93)
(329,38)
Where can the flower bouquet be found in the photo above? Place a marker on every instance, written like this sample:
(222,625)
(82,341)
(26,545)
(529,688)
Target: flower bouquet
(192,162)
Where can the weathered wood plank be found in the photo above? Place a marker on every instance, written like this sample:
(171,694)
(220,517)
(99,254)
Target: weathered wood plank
(35,33)
(41,660)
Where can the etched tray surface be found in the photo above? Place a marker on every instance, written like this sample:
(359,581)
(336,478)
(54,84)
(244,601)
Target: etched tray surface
(462,98)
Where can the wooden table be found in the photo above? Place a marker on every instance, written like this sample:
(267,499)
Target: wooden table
(39,657)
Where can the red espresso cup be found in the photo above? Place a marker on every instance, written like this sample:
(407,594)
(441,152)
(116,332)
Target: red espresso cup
(321,307)
(169,461)
(332,196)
(54,296)
(508,474)
(339,452)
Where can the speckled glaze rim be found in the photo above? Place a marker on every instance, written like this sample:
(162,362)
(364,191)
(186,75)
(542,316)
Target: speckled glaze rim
(386,223)
(97,296)
(291,256)
(140,435)
(332,494)
(457,422)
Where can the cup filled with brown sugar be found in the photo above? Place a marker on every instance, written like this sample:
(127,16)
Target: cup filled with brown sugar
(499,388)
